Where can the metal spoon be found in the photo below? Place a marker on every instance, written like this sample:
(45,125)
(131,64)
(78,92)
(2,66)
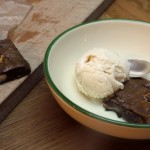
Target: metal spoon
(139,68)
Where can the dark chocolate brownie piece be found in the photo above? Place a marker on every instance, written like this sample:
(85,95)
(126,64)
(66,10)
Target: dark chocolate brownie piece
(133,102)
(12,63)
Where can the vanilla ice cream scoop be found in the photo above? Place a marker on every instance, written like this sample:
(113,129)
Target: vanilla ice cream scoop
(100,73)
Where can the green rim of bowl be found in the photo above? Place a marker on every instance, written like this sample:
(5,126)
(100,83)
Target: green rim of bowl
(68,101)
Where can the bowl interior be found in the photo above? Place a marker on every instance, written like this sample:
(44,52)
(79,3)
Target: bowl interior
(130,38)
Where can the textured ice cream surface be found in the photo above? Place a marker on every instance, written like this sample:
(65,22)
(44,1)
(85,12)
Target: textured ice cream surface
(100,73)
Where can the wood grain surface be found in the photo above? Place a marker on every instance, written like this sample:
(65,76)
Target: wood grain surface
(38,123)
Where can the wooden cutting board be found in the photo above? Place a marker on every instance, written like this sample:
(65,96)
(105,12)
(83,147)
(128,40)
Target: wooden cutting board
(46,20)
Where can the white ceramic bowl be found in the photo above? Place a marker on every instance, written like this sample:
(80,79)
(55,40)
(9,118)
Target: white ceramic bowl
(131,38)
